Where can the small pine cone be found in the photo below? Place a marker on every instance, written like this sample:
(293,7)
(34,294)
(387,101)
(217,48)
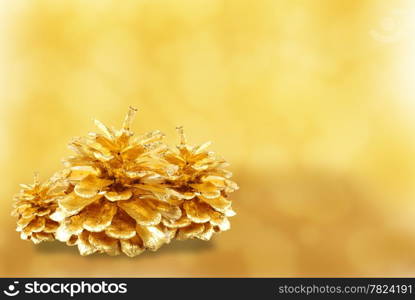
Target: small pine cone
(204,185)
(34,205)
(119,196)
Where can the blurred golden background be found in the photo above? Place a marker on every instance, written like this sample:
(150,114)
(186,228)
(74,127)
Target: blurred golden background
(312,103)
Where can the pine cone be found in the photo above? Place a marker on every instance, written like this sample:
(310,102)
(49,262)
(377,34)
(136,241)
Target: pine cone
(130,194)
(203,184)
(34,205)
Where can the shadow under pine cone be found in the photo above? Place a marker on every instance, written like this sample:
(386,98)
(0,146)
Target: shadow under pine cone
(174,247)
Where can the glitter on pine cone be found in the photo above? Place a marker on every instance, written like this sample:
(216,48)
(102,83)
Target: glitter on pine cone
(126,194)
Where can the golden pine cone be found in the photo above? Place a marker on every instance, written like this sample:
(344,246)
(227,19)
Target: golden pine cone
(34,205)
(130,194)
(203,185)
